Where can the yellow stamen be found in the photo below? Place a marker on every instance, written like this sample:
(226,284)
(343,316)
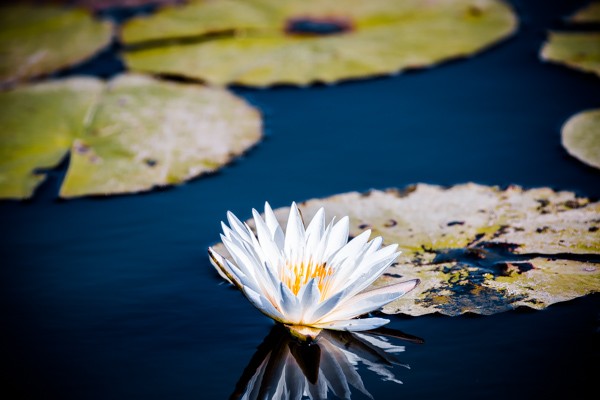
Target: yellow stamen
(296,276)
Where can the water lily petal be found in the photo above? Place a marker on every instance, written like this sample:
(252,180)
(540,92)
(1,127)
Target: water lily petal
(237,225)
(263,304)
(361,276)
(218,262)
(326,306)
(338,236)
(290,304)
(351,248)
(314,232)
(360,283)
(271,251)
(309,297)
(370,301)
(363,324)
(276,231)
(294,235)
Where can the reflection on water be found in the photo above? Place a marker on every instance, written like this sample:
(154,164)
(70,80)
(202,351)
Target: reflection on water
(283,368)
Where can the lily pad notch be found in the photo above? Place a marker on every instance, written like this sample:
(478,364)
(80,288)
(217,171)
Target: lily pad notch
(300,42)
(128,135)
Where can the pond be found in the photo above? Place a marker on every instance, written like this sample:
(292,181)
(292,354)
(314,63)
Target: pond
(115,298)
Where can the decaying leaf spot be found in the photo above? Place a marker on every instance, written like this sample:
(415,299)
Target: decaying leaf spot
(36,40)
(319,26)
(265,42)
(512,247)
(581,137)
(129,135)
(578,50)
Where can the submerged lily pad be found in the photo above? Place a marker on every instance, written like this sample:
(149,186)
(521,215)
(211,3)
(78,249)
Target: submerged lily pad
(578,50)
(476,248)
(37,40)
(129,135)
(265,42)
(581,137)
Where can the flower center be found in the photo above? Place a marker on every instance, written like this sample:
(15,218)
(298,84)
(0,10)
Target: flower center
(298,275)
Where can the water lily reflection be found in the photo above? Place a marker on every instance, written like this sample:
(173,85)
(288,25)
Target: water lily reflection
(285,368)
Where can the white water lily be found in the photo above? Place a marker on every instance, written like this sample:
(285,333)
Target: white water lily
(310,278)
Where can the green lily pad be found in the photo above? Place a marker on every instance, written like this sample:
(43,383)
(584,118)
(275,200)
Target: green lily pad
(578,50)
(581,137)
(266,42)
(127,136)
(588,14)
(38,40)
(477,248)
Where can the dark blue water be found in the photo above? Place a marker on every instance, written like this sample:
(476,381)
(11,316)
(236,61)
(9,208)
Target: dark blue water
(115,298)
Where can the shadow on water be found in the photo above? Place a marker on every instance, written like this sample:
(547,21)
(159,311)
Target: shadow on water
(284,368)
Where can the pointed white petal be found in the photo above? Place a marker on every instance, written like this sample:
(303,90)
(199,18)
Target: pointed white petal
(352,247)
(290,305)
(309,297)
(359,276)
(338,236)
(314,232)
(325,307)
(353,324)
(370,301)
(270,249)
(236,225)
(276,231)
(263,304)
(219,263)
(294,235)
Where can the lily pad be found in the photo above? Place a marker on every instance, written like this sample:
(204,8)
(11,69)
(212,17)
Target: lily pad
(129,135)
(37,40)
(581,137)
(477,248)
(578,50)
(266,42)
(588,14)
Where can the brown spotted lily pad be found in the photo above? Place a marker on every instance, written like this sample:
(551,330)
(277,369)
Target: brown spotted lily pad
(38,40)
(581,137)
(128,135)
(477,248)
(299,42)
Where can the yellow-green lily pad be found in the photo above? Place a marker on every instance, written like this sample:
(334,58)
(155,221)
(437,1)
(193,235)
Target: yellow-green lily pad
(581,137)
(38,40)
(476,248)
(128,135)
(588,14)
(265,42)
(578,50)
